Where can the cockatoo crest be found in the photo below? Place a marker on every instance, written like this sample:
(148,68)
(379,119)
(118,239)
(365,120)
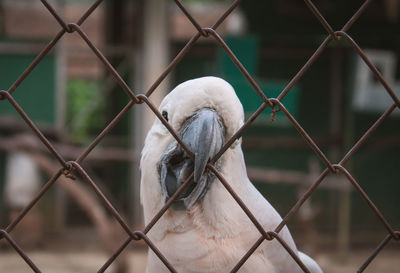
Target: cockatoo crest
(206,92)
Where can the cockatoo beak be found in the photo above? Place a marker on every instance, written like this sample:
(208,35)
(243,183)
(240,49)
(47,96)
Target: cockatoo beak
(203,133)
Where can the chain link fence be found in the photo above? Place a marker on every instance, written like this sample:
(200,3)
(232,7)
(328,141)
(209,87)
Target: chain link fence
(72,168)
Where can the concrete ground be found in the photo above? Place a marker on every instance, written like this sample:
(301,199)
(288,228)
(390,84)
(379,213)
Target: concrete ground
(90,261)
(67,262)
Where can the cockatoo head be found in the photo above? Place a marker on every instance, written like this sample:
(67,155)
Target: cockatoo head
(205,112)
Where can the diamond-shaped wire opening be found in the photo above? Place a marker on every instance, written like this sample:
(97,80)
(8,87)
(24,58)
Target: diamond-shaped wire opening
(108,206)
(239,65)
(119,80)
(104,60)
(33,126)
(370,203)
(50,46)
(75,27)
(189,44)
(332,35)
(342,34)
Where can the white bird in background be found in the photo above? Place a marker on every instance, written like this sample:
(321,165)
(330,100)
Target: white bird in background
(205,230)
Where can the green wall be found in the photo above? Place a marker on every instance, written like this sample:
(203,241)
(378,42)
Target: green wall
(36,94)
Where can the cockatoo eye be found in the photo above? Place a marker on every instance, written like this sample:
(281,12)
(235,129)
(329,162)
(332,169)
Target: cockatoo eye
(165,115)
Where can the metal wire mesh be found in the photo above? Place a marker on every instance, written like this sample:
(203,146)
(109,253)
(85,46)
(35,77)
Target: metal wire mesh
(69,167)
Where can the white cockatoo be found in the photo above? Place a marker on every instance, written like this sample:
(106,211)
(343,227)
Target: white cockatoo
(205,230)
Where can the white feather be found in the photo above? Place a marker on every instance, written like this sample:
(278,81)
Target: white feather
(310,263)
(215,233)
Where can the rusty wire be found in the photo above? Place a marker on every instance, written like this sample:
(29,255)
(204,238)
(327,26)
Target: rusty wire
(68,168)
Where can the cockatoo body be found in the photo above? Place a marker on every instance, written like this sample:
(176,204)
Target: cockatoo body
(205,230)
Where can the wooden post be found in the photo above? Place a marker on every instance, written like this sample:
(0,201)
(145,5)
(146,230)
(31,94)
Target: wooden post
(344,215)
(151,61)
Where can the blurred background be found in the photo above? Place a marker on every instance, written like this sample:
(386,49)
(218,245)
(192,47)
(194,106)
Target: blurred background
(72,97)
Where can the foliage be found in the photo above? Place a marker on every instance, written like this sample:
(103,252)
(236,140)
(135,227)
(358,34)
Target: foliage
(84,108)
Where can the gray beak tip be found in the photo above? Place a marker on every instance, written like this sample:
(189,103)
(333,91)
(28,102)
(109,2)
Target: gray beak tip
(204,135)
